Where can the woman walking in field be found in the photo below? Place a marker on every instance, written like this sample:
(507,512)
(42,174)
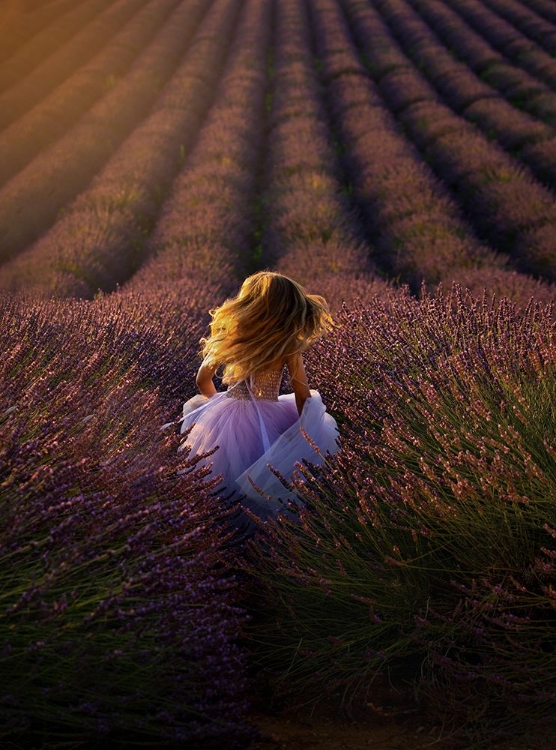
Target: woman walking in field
(254,337)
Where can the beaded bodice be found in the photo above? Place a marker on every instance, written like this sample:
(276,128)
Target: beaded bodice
(263,385)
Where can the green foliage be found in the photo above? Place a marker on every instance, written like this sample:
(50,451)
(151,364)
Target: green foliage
(428,545)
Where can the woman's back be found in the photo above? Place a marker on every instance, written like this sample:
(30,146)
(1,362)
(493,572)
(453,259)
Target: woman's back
(250,427)
(263,385)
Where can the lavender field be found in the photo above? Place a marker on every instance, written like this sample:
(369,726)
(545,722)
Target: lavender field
(396,156)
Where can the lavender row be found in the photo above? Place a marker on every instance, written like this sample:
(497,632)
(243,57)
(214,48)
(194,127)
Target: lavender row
(544,8)
(120,613)
(529,138)
(74,40)
(207,225)
(49,119)
(309,228)
(420,234)
(429,540)
(507,206)
(30,201)
(540,29)
(525,91)
(99,241)
(532,142)
(508,39)
(20,26)
(521,89)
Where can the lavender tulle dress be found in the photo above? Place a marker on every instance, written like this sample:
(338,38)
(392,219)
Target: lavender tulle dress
(253,428)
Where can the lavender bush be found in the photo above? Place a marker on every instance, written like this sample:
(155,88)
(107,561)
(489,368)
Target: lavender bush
(120,611)
(429,544)
(503,283)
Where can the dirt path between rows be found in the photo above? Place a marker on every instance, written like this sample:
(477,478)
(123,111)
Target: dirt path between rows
(386,723)
(375,726)
(280,733)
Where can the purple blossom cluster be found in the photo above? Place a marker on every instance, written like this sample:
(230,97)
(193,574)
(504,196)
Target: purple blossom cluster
(31,201)
(428,543)
(504,283)
(121,611)
(207,225)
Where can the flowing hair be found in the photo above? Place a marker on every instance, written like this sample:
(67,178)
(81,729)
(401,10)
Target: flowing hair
(271,318)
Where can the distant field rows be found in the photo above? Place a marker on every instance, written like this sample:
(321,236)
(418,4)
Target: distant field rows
(31,201)
(217,184)
(48,119)
(17,28)
(419,231)
(506,205)
(308,228)
(73,40)
(401,141)
(466,90)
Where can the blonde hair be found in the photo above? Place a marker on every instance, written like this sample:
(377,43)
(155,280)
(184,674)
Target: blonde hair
(271,318)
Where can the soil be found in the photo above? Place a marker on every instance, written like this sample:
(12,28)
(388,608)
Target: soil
(389,722)
(334,733)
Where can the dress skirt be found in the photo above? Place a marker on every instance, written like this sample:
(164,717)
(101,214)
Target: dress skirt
(250,436)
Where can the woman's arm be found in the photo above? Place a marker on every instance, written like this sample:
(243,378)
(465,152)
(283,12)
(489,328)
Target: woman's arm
(298,377)
(204,378)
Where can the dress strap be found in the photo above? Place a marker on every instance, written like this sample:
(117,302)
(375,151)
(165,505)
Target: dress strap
(264,433)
